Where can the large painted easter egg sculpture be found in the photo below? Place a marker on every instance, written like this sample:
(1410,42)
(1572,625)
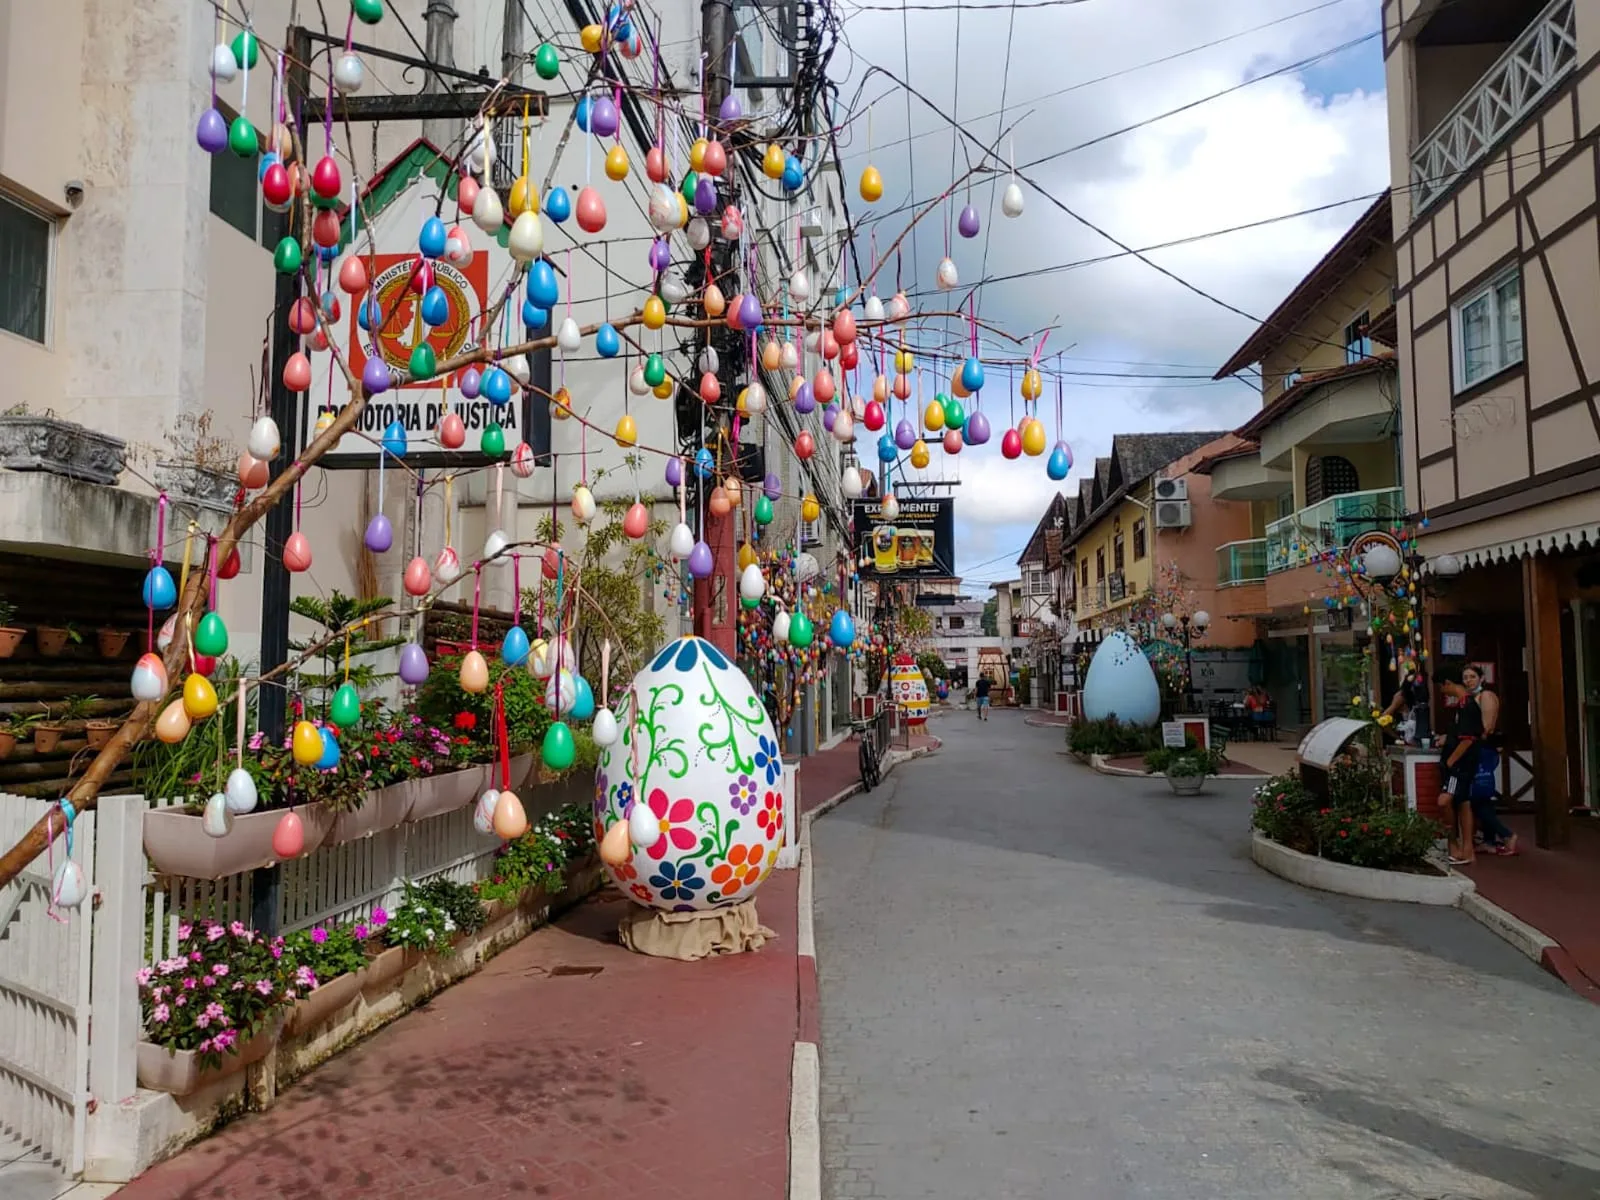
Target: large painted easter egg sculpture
(698,750)
(910,691)
(1122,683)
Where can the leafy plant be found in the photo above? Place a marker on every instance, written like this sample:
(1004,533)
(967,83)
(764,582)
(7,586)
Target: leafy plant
(1284,811)
(441,700)
(328,950)
(74,634)
(1110,736)
(539,858)
(419,923)
(1360,822)
(20,723)
(1385,836)
(337,614)
(79,708)
(932,665)
(458,900)
(1187,766)
(1203,762)
(8,613)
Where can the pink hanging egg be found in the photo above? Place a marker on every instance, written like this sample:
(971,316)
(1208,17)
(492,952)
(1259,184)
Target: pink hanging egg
(353,275)
(735,314)
(850,355)
(830,344)
(302,315)
(714,159)
(844,327)
(591,211)
(732,224)
(418,579)
(318,340)
(297,372)
(552,563)
(452,431)
(253,472)
(636,523)
(952,441)
(466,194)
(522,461)
(297,552)
(655,164)
(325,228)
(822,385)
(710,389)
(149,678)
(289,838)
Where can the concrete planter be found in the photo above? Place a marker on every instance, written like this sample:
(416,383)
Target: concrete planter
(322,1003)
(435,795)
(178,1072)
(176,842)
(1367,883)
(381,809)
(30,443)
(385,967)
(10,638)
(206,487)
(1186,785)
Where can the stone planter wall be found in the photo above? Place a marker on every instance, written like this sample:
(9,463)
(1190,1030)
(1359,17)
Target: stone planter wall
(32,443)
(1367,883)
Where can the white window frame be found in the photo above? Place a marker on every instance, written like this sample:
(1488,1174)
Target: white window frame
(52,232)
(1503,358)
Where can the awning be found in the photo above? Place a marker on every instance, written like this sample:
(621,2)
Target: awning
(1581,537)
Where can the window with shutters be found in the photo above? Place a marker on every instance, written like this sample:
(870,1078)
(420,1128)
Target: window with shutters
(1330,475)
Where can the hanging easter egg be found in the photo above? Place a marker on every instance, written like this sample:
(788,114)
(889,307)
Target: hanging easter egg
(700,561)
(654,316)
(306,743)
(773,161)
(159,591)
(873,310)
(289,836)
(704,464)
(493,442)
(842,629)
(732,224)
(947,277)
(344,710)
(799,288)
(277,189)
(212,131)
(843,427)
(487,214)
(546,61)
(607,341)
(636,521)
(417,579)
(211,636)
(558,749)
(483,811)
(242,138)
(615,850)
(715,159)
(955,416)
(466,194)
(264,442)
(972,374)
(967,222)
(800,631)
(231,564)
(253,473)
(447,566)
(933,416)
(905,436)
(239,795)
(223,65)
(558,205)
(673,473)
(452,432)
(1033,437)
(510,819)
(755,398)
(752,585)
(582,505)
(286,259)
(526,240)
(810,508)
(68,886)
(871,185)
(604,731)
(719,504)
(1011,444)
(514,646)
(199,697)
(368,12)
(543,656)
(734,784)
(976,432)
(474,675)
(413,664)
(457,247)
(952,441)
(1032,384)
(582,699)
(423,363)
(873,416)
(603,117)
(850,485)
(794,176)
(919,454)
(710,389)
(568,337)
(780,628)
(174,723)
(149,681)
(627,431)
(1011,200)
(889,509)
(804,444)
(763,511)
(591,211)
(1060,462)
(348,74)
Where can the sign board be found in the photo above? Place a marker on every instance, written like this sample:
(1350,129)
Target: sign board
(1453,645)
(1173,735)
(920,541)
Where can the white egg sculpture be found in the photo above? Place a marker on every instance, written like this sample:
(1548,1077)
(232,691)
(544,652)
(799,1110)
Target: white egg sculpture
(711,783)
(1121,683)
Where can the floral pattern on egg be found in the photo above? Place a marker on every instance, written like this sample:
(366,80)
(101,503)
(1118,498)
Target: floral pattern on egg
(697,748)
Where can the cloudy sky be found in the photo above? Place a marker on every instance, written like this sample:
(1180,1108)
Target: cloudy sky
(1288,142)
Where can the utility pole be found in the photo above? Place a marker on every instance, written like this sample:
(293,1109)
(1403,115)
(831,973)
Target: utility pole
(440,17)
(511,52)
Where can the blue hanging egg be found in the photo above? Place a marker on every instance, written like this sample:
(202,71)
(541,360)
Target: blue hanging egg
(330,750)
(370,314)
(326,254)
(533,316)
(159,591)
(394,439)
(608,341)
(431,240)
(543,289)
(887,450)
(704,464)
(268,160)
(583,699)
(842,629)
(1060,462)
(581,114)
(435,307)
(558,205)
(794,175)
(972,375)
(496,386)
(514,646)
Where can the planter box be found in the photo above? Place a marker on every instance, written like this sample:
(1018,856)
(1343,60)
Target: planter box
(30,443)
(99,733)
(380,810)
(201,486)
(111,642)
(1368,883)
(47,737)
(1186,785)
(10,638)
(438,794)
(177,844)
(323,1002)
(178,1072)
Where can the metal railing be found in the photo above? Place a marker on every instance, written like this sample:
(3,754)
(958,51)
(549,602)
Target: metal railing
(1543,54)
(1242,562)
(1299,538)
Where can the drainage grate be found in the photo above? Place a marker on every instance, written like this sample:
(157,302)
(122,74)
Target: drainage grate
(555,971)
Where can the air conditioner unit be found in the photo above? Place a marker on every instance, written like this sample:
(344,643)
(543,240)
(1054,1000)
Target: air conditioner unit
(1172,489)
(1174,514)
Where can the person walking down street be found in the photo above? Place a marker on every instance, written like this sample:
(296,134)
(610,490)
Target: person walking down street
(981,691)
(1497,836)
(1458,764)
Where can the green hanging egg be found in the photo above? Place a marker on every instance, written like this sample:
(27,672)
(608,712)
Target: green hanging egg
(954,415)
(286,258)
(368,12)
(689,180)
(493,443)
(547,62)
(655,370)
(747,602)
(800,631)
(559,750)
(242,138)
(423,364)
(763,511)
(211,636)
(246,50)
(345,710)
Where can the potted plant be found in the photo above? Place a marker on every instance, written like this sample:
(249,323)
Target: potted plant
(1186,774)
(13,728)
(97,730)
(10,635)
(112,642)
(336,957)
(48,729)
(53,639)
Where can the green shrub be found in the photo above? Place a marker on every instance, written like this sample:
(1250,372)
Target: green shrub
(1380,835)
(1110,737)
(1360,823)
(1285,812)
(1205,762)
(459,900)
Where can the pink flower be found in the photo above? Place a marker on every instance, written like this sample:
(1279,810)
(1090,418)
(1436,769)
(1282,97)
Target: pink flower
(304,977)
(671,817)
(209,981)
(180,1001)
(225,1039)
(319,935)
(215,932)
(277,950)
(238,985)
(196,956)
(144,975)
(189,984)
(360,933)
(220,970)
(184,930)
(264,986)
(379,918)
(202,1021)
(237,929)
(214,1011)
(160,1012)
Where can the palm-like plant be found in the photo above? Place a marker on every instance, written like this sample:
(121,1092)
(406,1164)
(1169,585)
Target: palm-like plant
(335,615)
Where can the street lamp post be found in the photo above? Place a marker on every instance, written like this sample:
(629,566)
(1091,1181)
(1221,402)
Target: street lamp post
(1190,626)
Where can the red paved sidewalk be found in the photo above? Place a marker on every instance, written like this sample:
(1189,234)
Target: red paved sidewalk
(568,1069)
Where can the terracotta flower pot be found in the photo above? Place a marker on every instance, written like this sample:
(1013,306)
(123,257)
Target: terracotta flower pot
(112,642)
(178,1072)
(380,810)
(51,641)
(10,639)
(435,795)
(176,842)
(99,733)
(8,743)
(321,1003)
(47,737)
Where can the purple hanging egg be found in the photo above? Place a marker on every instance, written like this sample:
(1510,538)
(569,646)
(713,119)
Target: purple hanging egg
(829,416)
(967,223)
(700,561)
(212,132)
(470,382)
(904,436)
(603,117)
(772,486)
(660,255)
(804,400)
(705,195)
(674,472)
(413,664)
(375,377)
(750,312)
(730,110)
(380,534)
(976,432)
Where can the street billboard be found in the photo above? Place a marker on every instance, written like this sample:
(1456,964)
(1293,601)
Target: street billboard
(919,542)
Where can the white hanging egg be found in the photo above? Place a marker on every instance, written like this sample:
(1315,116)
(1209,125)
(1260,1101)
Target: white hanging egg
(526,241)
(896,308)
(1011,200)
(663,208)
(240,792)
(805,566)
(447,567)
(483,811)
(150,680)
(844,426)
(457,247)
(644,827)
(708,360)
(68,889)
(813,342)
(218,819)
(487,214)
(568,337)
(582,505)
(561,693)
(755,398)
(673,288)
(698,233)
(799,287)
(604,731)
(517,367)
(349,74)
(223,66)
(788,357)
(264,441)
(947,276)
(850,483)
(780,628)
(890,508)
(874,308)
(680,542)
(169,630)
(543,656)
(494,548)
(751,585)
(637,384)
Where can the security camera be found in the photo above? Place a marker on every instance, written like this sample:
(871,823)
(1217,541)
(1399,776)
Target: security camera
(74,192)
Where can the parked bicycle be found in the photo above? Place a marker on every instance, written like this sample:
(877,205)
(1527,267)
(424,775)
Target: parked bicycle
(868,752)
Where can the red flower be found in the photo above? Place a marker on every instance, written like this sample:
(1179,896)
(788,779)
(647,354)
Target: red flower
(416,762)
(463,740)
(466,720)
(1342,833)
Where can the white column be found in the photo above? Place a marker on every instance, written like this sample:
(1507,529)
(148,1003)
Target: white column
(118,948)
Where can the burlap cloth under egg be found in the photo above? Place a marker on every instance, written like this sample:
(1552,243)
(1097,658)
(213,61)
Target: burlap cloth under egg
(693,935)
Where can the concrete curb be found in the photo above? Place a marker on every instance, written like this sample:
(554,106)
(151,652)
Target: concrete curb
(805,1075)
(1365,883)
(1502,924)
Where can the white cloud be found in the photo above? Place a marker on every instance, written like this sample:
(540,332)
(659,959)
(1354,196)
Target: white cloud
(1272,148)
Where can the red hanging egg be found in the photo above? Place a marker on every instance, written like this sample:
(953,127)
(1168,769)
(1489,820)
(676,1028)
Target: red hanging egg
(637,521)
(714,159)
(552,563)
(318,339)
(591,211)
(849,356)
(655,164)
(302,315)
(1011,444)
(297,372)
(253,472)
(952,441)
(276,186)
(805,445)
(204,664)
(466,194)
(830,344)
(844,327)
(732,316)
(452,431)
(297,553)
(822,385)
(325,228)
(418,579)
(353,275)
(230,566)
(325,177)
(421,275)
(873,417)
(710,389)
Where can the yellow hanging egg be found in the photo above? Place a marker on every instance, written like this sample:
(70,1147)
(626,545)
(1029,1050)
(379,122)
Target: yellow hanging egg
(903,361)
(810,510)
(199,697)
(627,430)
(794,386)
(561,404)
(697,155)
(655,313)
(1033,437)
(592,37)
(746,556)
(172,726)
(871,185)
(1032,384)
(933,415)
(734,490)
(474,672)
(664,389)
(683,209)
(919,454)
(524,198)
(306,744)
(957,388)
(617,163)
(739,403)
(773,161)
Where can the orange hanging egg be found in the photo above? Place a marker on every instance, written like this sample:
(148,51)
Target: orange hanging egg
(902,387)
(957,388)
(719,502)
(771,354)
(289,837)
(172,726)
(714,301)
(655,164)
(510,819)
(474,672)
(822,385)
(880,389)
(353,275)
